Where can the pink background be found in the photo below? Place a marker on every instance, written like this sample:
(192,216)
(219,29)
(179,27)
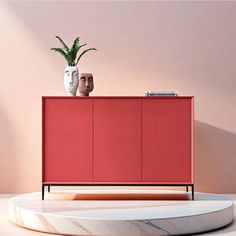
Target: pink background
(189,47)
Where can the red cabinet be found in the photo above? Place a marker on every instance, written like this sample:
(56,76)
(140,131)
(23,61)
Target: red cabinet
(118,140)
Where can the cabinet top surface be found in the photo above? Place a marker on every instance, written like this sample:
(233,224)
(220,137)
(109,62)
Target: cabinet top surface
(119,97)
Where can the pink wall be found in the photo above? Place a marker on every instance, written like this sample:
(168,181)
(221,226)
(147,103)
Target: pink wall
(189,47)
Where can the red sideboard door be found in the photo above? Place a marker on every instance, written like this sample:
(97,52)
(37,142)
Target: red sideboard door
(117,140)
(67,140)
(167,140)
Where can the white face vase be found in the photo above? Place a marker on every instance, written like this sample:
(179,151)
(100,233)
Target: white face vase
(71,80)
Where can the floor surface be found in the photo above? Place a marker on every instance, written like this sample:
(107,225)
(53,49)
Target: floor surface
(9,229)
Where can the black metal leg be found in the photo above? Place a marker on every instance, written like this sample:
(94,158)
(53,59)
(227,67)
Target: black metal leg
(192,191)
(43,192)
(187,188)
(49,188)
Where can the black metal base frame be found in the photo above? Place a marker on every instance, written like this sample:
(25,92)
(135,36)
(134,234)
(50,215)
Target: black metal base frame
(166,185)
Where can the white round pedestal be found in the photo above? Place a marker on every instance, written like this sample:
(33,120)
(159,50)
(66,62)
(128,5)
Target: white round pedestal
(56,214)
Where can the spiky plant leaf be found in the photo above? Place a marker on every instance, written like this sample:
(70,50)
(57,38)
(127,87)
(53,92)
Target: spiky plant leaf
(71,57)
(75,44)
(82,46)
(60,50)
(83,54)
(74,49)
(65,47)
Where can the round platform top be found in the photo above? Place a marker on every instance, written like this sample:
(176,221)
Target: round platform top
(96,217)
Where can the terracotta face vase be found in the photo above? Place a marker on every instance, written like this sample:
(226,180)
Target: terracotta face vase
(71,80)
(85,84)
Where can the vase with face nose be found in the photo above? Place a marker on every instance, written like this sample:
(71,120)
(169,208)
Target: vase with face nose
(71,80)
(86,84)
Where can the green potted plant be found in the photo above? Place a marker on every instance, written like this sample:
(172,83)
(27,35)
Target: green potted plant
(71,73)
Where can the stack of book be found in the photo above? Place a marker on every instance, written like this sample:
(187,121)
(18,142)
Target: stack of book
(161,93)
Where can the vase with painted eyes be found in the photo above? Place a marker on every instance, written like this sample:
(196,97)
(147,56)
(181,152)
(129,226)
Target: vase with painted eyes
(71,80)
